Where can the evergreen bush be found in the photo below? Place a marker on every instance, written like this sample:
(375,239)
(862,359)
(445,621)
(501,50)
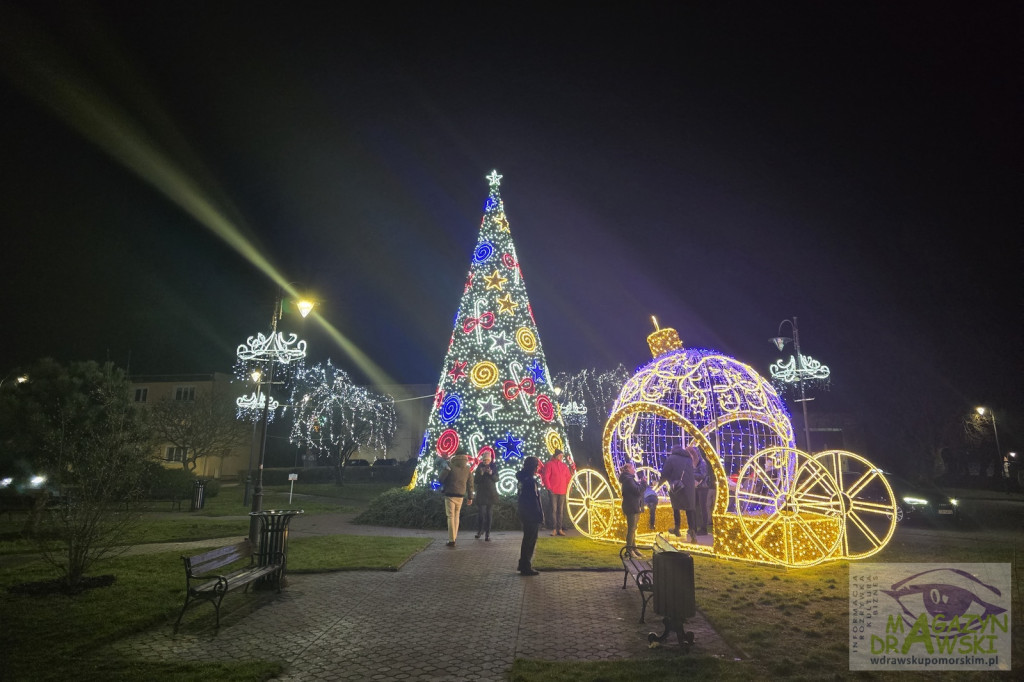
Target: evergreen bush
(424,509)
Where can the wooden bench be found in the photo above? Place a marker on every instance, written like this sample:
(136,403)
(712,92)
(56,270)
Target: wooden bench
(643,576)
(205,578)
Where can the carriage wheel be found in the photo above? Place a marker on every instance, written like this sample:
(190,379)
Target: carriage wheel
(590,503)
(789,507)
(869,506)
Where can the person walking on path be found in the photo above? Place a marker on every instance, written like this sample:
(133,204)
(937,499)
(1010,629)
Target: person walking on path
(632,505)
(530,513)
(485,480)
(556,477)
(456,486)
(678,473)
(700,477)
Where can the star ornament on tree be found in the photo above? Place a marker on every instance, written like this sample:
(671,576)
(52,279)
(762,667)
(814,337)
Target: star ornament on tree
(494,179)
(458,370)
(495,280)
(510,444)
(507,305)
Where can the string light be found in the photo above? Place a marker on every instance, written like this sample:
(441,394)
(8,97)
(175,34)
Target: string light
(331,414)
(773,504)
(504,409)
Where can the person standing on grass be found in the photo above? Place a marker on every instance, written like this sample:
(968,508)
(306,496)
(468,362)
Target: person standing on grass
(632,505)
(530,513)
(485,480)
(456,486)
(556,477)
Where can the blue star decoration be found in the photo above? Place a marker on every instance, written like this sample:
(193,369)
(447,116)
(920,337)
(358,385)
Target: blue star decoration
(537,371)
(510,444)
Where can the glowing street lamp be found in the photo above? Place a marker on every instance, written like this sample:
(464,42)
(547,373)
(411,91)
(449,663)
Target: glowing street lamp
(995,432)
(798,369)
(272,350)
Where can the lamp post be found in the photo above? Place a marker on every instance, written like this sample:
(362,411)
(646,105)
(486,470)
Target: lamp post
(995,432)
(797,370)
(272,350)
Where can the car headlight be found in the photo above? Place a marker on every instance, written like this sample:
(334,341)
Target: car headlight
(953,501)
(914,500)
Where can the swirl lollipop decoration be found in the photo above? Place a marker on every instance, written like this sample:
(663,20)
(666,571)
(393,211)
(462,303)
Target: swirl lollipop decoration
(448,443)
(526,339)
(484,374)
(553,441)
(544,408)
(450,408)
(507,484)
(483,252)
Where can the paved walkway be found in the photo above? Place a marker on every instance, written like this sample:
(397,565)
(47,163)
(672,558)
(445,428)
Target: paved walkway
(448,614)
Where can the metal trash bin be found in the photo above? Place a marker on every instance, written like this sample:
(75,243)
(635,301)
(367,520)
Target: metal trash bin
(273,541)
(674,592)
(198,495)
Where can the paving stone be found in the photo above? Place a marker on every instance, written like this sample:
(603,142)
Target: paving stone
(360,625)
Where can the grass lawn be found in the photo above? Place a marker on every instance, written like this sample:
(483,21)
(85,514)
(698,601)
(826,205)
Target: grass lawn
(148,592)
(789,624)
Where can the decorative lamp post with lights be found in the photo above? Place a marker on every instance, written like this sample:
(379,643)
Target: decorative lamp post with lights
(249,405)
(270,351)
(982,411)
(798,370)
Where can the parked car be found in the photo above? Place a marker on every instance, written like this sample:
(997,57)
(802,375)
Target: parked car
(388,462)
(357,463)
(921,503)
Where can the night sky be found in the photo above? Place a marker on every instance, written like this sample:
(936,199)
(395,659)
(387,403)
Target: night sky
(723,168)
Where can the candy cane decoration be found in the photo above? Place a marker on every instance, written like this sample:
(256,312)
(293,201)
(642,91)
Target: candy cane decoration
(522,389)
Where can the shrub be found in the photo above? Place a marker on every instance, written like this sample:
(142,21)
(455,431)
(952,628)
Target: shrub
(161,483)
(424,509)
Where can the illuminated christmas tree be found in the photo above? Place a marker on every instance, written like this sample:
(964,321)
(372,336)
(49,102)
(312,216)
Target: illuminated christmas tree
(495,394)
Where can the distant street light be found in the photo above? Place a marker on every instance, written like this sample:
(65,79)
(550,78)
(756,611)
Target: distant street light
(797,369)
(19,379)
(995,431)
(273,350)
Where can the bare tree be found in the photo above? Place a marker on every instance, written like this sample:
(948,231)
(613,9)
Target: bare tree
(79,429)
(204,427)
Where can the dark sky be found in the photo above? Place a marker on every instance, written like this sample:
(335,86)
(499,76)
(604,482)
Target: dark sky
(722,168)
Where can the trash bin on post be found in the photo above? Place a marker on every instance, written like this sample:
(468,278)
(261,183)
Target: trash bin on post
(198,491)
(674,591)
(273,547)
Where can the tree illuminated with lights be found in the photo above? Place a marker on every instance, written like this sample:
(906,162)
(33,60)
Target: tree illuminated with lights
(495,393)
(334,418)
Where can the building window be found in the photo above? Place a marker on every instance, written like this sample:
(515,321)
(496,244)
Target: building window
(187,393)
(175,454)
(141,394)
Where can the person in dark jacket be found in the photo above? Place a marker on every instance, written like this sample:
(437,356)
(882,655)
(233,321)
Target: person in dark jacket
(678,473)
(632,504)
(701,474)
(485,479)
(456,486)
(531,515)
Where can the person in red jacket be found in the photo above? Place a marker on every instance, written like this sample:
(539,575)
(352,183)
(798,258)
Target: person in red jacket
(556,476)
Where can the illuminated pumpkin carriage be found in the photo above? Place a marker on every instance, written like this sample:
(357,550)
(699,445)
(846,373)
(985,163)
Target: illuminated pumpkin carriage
(772,503)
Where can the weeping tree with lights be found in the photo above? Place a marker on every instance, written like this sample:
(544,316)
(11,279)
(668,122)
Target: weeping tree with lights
(585,399)
(495,394)
(333,417)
